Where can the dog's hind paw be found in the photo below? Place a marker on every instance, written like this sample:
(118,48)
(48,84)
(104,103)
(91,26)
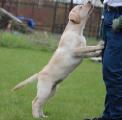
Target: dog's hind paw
(39,115)
(44,116)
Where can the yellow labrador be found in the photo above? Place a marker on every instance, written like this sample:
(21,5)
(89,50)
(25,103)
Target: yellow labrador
(69,54)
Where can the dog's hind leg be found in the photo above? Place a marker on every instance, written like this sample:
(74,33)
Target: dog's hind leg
(44,91)
(36,108)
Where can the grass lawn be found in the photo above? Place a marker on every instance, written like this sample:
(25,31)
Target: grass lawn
(81,95)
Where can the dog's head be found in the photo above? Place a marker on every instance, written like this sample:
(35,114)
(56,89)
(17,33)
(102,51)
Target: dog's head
(80,13)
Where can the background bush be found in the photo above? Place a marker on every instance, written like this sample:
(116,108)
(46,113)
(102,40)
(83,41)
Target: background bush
(37,41)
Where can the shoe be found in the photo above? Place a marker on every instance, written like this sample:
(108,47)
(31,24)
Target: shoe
(100,118)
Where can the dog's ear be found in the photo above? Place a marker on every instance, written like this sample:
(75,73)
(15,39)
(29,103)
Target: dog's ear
(74,18)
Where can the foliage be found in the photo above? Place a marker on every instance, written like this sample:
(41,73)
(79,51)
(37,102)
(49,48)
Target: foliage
(37,41)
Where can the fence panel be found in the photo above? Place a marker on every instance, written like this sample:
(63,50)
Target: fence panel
(51,16)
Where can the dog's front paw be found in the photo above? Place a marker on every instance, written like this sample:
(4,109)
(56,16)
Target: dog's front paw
(101,43)
(98,53)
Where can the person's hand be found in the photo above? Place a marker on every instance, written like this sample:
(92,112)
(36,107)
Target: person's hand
(117,24)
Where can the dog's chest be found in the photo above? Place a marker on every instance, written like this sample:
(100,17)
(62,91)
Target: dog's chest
(72,40)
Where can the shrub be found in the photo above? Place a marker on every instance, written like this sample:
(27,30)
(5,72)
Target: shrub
(38,41)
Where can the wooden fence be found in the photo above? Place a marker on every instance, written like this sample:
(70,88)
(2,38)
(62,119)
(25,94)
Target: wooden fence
(51,16)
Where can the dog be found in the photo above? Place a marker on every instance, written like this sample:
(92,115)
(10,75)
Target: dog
(71,50)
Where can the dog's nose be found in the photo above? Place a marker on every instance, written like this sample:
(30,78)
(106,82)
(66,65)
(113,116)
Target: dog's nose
(89,2)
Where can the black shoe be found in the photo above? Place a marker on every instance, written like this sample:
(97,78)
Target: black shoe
(100,118)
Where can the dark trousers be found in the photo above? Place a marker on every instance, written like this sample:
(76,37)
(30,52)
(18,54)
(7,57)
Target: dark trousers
(112,66)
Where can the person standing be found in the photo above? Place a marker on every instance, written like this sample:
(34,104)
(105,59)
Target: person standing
(112,61)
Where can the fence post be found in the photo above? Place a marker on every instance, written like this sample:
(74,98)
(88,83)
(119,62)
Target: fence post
(33,5)
(17,5)
(54,16)
(71,4)
(65,15)
(3,3)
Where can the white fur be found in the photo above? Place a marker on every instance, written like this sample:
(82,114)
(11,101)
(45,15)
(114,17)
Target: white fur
(69,54)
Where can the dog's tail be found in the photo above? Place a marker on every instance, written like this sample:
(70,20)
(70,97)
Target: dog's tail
(25,82)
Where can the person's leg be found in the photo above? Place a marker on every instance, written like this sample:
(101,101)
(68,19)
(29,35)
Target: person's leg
(112,68)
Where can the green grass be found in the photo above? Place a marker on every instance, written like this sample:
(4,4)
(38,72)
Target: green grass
(80,95)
